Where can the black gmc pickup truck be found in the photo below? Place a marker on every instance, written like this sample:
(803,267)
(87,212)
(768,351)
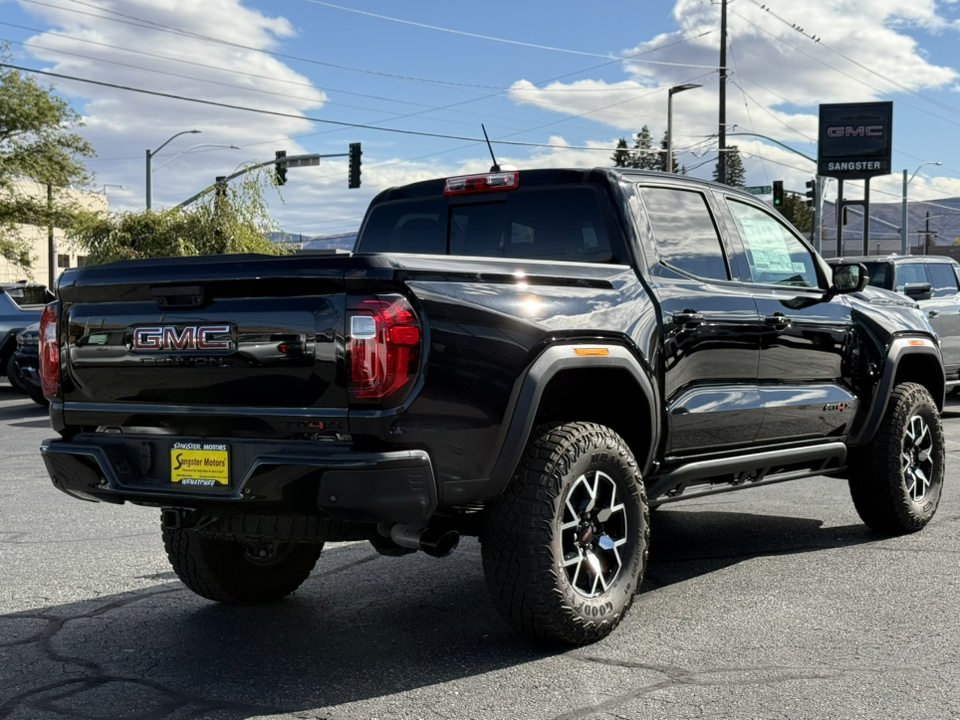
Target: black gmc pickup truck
(536,358)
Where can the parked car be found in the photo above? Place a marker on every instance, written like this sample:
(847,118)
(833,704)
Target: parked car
(534,357)
(27,363)
(21,304)
(933,282)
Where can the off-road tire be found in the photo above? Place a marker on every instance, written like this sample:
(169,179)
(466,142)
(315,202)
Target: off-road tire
(13,375)
(882,483)
(225,570)
(523,544)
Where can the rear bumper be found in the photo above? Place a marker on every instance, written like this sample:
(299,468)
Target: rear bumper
(266,477)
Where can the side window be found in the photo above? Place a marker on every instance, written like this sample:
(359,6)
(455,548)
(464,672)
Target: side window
(943,279)
(684,232)
(911,273)
(775,255)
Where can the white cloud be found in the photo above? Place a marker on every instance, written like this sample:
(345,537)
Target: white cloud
(121,124)
(763,53)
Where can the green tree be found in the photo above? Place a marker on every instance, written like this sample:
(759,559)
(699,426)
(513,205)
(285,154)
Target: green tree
(642,155)
(736,174)
(621,156)
(795,210)
(678,169)
(37,144)
(235,220)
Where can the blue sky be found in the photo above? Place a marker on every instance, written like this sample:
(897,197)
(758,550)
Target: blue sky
(562,76)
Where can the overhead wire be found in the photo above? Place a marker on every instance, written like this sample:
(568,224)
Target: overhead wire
(496,39)
(276,113)
(881,92)
(796,28)
(733,57)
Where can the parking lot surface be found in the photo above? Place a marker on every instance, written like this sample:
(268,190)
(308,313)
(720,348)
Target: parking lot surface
(769,603)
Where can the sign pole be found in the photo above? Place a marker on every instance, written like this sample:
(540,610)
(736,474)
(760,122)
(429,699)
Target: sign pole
(866,216)
(839,207)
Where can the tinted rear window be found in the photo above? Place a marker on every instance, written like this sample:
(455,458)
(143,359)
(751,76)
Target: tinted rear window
(28,294)
(555,223)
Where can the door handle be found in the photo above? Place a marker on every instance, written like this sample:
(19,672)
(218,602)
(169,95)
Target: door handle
(778,321)
(933,313)
(688,318)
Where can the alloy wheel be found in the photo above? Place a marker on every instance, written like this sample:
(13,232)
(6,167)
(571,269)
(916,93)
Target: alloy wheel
(593,530)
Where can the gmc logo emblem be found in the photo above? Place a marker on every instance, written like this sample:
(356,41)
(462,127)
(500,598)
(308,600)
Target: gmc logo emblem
(162,338)
(859,131)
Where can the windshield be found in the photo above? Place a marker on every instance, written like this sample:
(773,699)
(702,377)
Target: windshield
(551,223)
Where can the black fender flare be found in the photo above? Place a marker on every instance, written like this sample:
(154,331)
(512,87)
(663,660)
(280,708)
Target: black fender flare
(900,348)
(528,390)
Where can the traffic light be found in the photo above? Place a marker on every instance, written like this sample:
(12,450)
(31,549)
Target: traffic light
(778,193)
(811,193)
(221,186)
(355,154)
(281,168)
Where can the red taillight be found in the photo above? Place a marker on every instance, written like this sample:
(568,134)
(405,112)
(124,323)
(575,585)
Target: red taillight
(491,182)
(49,353)
(384,346)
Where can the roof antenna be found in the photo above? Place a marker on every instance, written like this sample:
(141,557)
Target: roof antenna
(496,166)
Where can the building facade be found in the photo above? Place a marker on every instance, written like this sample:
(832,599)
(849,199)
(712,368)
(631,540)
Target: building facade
(66,256)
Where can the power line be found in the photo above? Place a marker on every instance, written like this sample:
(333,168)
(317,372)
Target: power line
(496,39)
(883,93)
(870,70)
(767,111)
(276,113)
(158,27)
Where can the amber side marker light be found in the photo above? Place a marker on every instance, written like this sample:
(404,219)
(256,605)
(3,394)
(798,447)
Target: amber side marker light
(591,352)
(918,342)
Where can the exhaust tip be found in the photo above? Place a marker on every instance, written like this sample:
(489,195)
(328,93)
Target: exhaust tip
(439,543)
(434,542)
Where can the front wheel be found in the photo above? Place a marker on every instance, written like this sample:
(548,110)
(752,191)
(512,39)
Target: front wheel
(236,572)
(896,480)
(13,375)
(564,549)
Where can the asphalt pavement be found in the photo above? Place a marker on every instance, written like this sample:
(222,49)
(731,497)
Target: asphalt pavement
(768,603)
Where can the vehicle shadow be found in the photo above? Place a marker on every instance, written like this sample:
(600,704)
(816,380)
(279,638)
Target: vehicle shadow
(362,627)
(688,543)
(15,406)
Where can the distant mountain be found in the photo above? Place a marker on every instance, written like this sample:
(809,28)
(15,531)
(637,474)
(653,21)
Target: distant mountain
(885,220)
(343,241)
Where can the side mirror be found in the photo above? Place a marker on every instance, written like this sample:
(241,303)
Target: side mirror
(918,291)
(849,277)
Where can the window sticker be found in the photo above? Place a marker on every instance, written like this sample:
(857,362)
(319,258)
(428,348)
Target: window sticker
(768,247)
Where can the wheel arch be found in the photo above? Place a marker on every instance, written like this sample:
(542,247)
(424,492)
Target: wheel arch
(621,395)
(909,359)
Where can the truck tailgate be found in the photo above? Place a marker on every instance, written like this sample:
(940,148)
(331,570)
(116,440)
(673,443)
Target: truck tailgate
(227,332)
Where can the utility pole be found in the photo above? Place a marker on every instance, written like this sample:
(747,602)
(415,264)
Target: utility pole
(52,243)
(722,159)
(926,236)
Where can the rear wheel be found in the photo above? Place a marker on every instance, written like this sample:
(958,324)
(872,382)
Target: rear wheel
(565,547)
(237,572)
(896,480)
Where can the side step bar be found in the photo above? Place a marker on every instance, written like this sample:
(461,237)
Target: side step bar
(735,473)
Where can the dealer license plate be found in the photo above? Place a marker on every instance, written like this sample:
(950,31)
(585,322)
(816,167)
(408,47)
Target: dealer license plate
(200,464)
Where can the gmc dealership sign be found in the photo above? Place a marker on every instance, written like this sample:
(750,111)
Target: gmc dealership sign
(855,140)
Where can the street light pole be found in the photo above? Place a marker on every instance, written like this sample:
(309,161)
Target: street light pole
(904,248)
(670,93)
(150,158)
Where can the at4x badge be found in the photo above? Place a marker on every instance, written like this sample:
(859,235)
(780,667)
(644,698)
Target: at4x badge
(835,407)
